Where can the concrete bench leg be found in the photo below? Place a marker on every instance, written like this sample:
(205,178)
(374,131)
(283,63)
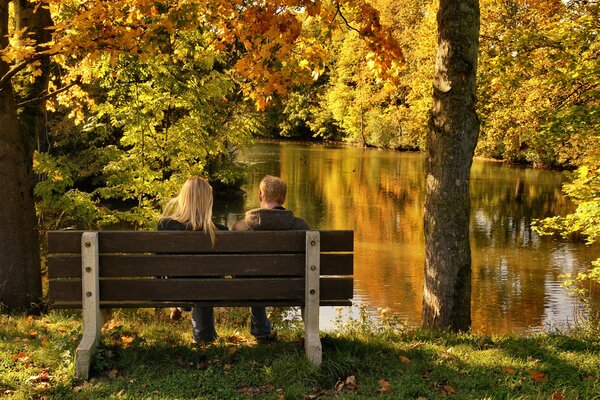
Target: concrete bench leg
(312,341)
(92,318)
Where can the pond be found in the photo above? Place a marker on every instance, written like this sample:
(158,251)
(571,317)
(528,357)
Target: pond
(380,195)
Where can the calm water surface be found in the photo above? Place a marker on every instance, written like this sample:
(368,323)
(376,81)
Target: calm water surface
(380,195)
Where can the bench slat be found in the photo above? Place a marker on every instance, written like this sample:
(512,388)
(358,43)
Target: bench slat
(223,303)
(198,242)
(69,266)
(61,291)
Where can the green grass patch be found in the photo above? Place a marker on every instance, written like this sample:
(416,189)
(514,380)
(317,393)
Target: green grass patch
(148,356)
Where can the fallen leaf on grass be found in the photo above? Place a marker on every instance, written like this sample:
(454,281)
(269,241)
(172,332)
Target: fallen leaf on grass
(254,390)
(120,393)
(112,374)
(33,333)
(557,396)
(589,378)
(448,389)
(351,383)
(109,325)
(539,377)
(281,396)
(508,370)
(183,363)
(20,357)
(127,340)
(61,329)
(384,386)
(405,360)
(42,377)
(43,386)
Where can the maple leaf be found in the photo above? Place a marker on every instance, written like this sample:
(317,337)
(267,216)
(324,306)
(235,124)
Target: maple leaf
(384,386)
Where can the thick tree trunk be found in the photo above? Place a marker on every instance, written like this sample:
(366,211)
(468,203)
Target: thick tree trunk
(453,132)
(20,276)
(33,115)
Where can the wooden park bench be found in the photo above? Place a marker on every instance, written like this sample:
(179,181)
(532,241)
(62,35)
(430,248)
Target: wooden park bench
(123,269)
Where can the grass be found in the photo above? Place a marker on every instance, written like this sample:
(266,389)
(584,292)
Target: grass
(144,356)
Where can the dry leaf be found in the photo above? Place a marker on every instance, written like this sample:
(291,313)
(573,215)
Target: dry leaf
(42,377)
(127,340)
(449,389)
(43,386)
(339,386)
(112,374)
(508,370)
(384,386)
(405,360)
(33,333)
(539,377)
(281,396)
(589,378)
(351,383)
(120,393)
(557,396)
(112,324)
(20,357)
(62,329)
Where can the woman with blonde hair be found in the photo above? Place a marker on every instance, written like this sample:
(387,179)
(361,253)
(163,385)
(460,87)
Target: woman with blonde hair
(191,210)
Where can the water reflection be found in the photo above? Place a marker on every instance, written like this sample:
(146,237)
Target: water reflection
(380,195)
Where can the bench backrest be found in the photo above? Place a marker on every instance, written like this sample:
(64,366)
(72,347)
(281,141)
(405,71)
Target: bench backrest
(243,268)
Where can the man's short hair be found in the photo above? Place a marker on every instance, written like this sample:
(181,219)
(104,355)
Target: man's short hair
(273,189)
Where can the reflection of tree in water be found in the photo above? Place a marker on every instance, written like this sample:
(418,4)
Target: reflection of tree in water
(380,196)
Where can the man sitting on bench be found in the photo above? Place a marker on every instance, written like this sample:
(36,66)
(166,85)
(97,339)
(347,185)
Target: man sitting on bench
(271,216)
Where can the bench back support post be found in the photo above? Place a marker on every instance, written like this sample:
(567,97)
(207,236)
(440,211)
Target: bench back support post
(312,341)
(92,318)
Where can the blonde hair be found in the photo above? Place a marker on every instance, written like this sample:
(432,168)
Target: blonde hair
(193,205)
(273,189)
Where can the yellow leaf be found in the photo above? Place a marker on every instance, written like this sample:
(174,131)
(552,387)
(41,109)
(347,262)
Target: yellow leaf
(126,340)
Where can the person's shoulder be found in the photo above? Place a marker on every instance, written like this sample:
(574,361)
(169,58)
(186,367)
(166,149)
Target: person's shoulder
(300,224)
(168,224)
(221,227)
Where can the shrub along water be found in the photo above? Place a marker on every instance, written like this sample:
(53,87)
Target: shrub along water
(146,355)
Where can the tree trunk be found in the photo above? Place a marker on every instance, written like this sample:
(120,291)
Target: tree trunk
(451,140)
(20,275)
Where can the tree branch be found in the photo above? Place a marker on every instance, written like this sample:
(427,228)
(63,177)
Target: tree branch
(49,95)
(339,11)
(19,67)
